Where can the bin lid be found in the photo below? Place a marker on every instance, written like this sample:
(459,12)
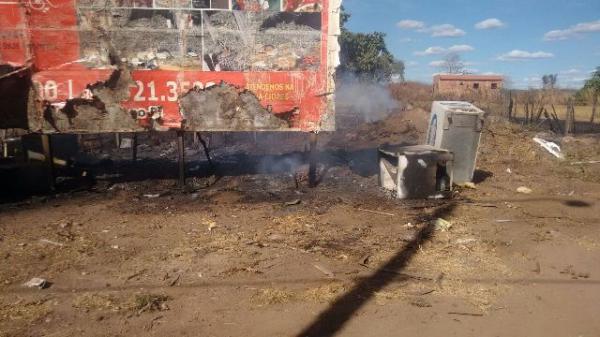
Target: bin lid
(397,151)
(458,107)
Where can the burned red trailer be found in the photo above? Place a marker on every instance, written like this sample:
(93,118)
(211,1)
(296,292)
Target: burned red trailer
(90,66)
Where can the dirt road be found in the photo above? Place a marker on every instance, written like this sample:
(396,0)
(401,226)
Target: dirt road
(251,255)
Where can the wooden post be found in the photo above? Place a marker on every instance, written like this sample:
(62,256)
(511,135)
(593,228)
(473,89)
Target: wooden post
(511,105)
(117,140)
(312,161)
(49,160)
(594,106)
(181,151)
(4,145)
(134,144)
(570,119)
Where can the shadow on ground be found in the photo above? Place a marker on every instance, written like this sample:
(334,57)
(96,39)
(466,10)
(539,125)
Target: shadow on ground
(340,312)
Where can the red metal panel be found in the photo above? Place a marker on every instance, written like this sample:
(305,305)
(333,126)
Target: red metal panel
(13,38)
(129,65)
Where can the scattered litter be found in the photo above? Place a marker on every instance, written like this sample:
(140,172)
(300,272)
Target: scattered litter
(136,274)
(50,242)
(570,270)
(210,224)
(420,303)
(152,196)
(466,241)
(551,147)
(65,224)
(324,270)
(276,237)
(175,281)
(583,275)
(293,202)
(465,314)
(503,221)
(36,282)
(468,185)
(151,303)
(114,247)
(524,190)
(409,225)
(376,212)
(586,162)
(365,260)
(509,171)
(126,143)
(442,225)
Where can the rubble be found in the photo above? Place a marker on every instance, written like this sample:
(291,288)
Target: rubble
(442,225)
(37,282)
(224,107)
(524,190)
(324,270)
(549,146)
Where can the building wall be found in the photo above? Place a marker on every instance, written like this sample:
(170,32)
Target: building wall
(465,87)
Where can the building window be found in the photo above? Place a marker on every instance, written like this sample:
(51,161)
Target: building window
(475,85)
(494,85)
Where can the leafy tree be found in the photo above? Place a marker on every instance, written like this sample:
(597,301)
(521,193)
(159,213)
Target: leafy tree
(366,56)
(592,88)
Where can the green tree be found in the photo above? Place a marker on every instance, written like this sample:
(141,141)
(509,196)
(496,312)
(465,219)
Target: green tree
(592,88)
(366,56)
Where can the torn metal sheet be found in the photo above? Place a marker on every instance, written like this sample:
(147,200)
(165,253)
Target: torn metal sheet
(134,65)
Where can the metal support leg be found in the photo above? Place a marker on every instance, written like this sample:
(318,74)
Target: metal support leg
(134,144)
(312,161)
(205,146)
(117,140)
(4,144)
(49,160)
(181,151)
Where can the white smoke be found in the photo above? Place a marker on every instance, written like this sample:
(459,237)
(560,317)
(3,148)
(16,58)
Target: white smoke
(371,101)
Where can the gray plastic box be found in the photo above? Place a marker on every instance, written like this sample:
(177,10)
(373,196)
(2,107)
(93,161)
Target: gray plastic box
(415,172)
(456,126)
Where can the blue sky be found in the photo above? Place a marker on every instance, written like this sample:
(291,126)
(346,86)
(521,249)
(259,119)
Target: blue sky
(520,39)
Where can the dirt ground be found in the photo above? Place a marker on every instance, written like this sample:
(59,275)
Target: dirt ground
(248,254)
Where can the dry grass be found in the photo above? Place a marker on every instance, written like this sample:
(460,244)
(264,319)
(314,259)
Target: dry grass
(582,113)
(114,302)
(322,294)
(406,291)
(273,296)
(458,269)
(22,311)
(150,302)
(417,94)
(99,301)
(293,224)
(458,265)
(325,293)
